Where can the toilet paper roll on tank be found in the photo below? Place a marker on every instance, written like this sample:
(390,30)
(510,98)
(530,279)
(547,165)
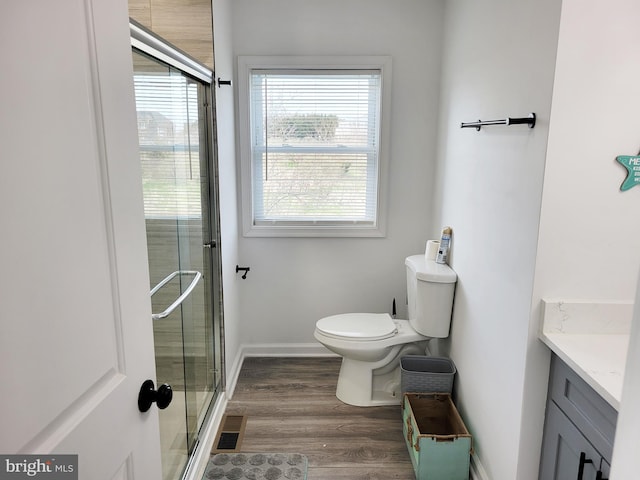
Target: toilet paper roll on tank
(438,250)
(432,249)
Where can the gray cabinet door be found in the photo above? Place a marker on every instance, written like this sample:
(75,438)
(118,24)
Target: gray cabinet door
(582,405)
(562,448)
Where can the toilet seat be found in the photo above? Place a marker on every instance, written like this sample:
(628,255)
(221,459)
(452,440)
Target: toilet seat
(358,326)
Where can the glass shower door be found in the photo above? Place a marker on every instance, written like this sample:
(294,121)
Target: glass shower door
(174,154)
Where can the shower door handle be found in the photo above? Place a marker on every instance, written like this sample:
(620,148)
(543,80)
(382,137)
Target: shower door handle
(197,275)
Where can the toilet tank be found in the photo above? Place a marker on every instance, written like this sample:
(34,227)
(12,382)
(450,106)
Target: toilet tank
(430,288)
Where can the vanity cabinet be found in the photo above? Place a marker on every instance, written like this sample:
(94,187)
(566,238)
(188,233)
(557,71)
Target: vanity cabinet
(579,429)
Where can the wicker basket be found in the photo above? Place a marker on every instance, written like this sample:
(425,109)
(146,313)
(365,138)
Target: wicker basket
(424,374)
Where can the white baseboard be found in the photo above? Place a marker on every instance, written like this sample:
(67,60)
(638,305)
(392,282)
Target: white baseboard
(477,470)
(285,350)
(234,372)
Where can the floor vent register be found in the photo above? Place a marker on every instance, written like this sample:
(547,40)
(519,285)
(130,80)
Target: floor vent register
(230,433)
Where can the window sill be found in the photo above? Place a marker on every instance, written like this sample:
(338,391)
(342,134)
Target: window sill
(314,231)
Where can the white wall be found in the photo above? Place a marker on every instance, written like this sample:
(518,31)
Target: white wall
(294,282)
(589,229)
(498,61)
(229,227)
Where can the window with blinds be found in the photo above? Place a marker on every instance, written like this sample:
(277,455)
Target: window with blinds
(314,136)
(168,131)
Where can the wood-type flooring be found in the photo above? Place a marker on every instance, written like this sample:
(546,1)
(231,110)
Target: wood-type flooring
(291,407)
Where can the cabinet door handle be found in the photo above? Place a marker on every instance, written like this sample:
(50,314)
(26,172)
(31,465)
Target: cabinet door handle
(583,461)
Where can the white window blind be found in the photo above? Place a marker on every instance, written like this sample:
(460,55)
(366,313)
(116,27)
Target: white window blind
(315,146)
(168,131)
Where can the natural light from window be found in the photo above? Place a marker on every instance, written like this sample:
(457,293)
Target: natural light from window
(312,144)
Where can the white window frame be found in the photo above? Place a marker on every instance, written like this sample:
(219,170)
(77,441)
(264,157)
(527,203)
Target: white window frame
(246,64)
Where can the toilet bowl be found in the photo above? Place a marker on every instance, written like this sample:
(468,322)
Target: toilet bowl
(371,344)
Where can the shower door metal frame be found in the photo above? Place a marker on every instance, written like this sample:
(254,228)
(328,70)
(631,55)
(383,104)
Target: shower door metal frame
(213,245)
(154,46)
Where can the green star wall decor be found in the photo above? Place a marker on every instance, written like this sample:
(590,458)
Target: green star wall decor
(632,164)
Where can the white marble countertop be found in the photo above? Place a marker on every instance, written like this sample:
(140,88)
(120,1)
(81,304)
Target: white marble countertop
(592,338)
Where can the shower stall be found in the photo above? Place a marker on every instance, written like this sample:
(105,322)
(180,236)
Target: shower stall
(173,102)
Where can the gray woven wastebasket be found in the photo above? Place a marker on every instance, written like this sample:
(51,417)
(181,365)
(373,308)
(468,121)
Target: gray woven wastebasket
(421,374)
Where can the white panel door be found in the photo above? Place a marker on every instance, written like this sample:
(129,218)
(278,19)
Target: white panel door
(75,318)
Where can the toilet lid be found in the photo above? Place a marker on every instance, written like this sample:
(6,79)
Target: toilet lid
(358,326)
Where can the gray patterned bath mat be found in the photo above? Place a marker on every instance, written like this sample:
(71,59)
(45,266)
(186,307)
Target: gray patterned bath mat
(256,466)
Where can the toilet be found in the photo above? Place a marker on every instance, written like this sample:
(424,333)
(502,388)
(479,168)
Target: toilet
(371,344)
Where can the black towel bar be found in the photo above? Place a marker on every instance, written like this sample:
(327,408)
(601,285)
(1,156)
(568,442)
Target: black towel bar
(529,120)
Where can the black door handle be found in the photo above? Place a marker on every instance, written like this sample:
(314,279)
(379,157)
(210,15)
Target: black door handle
(583,461)
(148,394)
